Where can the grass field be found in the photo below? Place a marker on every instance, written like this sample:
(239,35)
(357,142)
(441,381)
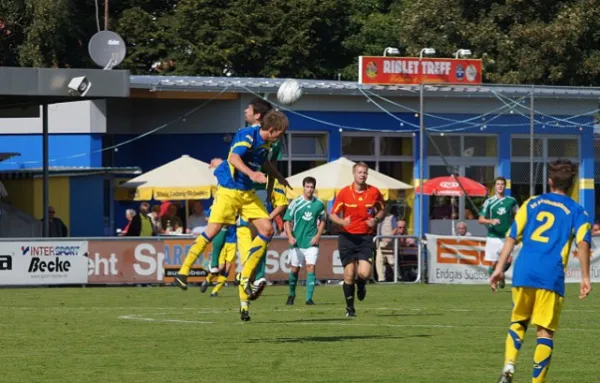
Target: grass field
(421,333)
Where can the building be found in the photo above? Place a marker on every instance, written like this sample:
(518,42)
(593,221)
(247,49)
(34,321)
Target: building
(480,131)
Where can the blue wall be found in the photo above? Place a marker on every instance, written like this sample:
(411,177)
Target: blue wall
(60,146)
(87,206)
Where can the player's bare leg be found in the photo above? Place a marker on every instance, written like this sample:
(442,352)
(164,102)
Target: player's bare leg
(349,276)
(363,274)
(197,248)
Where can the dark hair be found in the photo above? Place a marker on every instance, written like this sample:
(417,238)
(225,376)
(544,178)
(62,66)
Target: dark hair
(562,173)
(260,106)
(500,179)
(309,180)
(276,120)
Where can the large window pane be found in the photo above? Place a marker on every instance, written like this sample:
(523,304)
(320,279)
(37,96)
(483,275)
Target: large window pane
(402,171)
(520,147)
(358,146)
(483,174)
(480,146)
(442,171)
(447,145)
(395,146)
(309,144)
(282,166)
(563,147)
(301,166)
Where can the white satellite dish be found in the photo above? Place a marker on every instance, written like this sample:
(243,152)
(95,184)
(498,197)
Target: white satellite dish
(107,49)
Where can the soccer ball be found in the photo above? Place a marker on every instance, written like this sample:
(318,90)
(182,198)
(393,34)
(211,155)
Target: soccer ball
(289,92)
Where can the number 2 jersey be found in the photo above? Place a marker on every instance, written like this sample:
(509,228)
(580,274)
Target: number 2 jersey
(547,226)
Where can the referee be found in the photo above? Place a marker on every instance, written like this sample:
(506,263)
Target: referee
(358,209)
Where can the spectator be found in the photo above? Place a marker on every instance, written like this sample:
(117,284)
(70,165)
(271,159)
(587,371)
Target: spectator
(3,193)
(129,214)
(141,224)
(196,222)
(596,229)
(155,218)
(170,222)
(57,227)
(461,229)
(385,246)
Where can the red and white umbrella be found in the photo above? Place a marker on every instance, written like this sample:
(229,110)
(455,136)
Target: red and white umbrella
(449,187)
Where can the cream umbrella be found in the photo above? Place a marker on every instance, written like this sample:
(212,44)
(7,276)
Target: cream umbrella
(333,176)
(185,178)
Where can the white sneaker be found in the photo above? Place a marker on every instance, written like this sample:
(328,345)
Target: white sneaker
(507,373)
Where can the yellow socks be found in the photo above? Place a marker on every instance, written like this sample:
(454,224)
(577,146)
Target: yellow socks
(257,250)
(220,283)
(514,340)
(197,248)
(541,359)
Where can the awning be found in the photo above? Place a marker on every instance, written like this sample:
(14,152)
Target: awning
(67,171)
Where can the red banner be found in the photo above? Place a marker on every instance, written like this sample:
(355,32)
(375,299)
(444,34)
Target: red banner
(412,70)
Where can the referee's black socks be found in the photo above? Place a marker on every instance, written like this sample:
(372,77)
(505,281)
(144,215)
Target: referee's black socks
(349,294)
(361,283)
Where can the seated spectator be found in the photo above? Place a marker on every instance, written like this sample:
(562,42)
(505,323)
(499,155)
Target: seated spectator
(129,214)
(170,222)
(141,224)
(56,226)
(155,218)
(196,222)
(461,229)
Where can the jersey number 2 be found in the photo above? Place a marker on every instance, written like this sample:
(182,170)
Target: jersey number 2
(547,220)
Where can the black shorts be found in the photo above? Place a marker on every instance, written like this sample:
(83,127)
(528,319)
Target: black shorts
(355,247)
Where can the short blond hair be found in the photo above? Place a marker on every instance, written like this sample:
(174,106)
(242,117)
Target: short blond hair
(360,164)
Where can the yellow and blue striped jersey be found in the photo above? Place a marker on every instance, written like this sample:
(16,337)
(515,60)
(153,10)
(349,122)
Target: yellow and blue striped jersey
(249,145)
(547,226)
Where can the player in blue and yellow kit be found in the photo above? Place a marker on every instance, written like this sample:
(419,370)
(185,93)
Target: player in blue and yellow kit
(222,257)
(236,197)
(547,226)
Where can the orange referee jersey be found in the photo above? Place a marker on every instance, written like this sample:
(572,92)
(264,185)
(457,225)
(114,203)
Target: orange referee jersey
(359,207)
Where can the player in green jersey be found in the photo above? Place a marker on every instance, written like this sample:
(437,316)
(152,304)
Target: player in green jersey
(305,221)
(498,213)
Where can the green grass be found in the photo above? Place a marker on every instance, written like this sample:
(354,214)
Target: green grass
(421,333)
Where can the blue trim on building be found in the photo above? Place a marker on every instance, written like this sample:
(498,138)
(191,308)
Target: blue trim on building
(418,214)
(504,169)
(65,150)
(87,206)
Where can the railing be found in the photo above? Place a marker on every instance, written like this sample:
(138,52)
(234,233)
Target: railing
(411,251)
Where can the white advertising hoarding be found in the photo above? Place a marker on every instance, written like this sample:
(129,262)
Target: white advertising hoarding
(460,260)
(43,263)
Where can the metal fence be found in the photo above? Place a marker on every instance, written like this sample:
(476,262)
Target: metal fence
(407,254)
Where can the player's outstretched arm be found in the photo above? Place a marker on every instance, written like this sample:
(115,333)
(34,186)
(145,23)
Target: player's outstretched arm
(498,274)
(583,253)
(238,163)
(272,171)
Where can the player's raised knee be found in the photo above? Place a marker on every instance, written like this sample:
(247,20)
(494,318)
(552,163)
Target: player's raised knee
(264,227)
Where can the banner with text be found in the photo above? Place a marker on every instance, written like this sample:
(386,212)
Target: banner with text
(381,70)
(460,260)
(43,263)
(156,261)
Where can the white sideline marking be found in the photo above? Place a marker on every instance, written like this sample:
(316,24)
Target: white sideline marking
(442,326)
(135,317)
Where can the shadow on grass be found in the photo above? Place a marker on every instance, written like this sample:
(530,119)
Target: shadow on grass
(337,338)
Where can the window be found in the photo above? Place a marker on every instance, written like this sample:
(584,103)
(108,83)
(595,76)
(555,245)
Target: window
(402,171)
(563,147)
(309,145)
(480,146)
(483,174)
(395,146)
(302,166)
(444,145)
(358,145)
(520,147)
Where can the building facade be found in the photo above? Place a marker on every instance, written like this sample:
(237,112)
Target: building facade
(479,132)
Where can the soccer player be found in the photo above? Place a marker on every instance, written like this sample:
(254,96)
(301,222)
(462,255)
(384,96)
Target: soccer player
(498,214)
(547,226)
(222,257)
(236,197)
(304,225)
(358,208)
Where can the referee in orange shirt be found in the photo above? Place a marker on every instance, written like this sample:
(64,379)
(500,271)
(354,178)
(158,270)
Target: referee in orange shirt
(358,209)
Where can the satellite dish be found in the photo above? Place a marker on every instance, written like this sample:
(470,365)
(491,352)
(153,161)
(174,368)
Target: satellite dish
(107,49)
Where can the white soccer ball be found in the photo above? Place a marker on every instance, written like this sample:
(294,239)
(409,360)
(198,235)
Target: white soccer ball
(289,92)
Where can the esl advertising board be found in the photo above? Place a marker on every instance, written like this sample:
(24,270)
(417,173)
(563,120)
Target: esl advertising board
(460,260)
(379,70)
(43,263)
